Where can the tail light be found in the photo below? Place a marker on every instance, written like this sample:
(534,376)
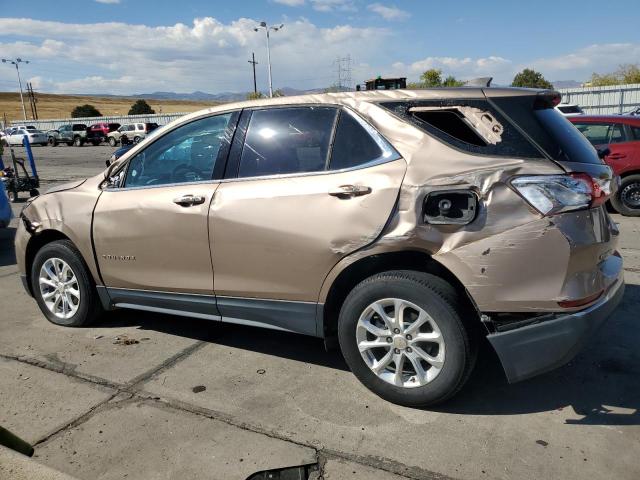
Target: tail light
(552,194)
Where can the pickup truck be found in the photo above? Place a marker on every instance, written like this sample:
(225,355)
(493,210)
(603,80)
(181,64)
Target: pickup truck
(71,134)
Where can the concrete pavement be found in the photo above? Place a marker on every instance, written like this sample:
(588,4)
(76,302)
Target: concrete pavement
(197,399)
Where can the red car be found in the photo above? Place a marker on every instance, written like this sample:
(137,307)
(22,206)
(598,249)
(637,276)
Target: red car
(621,134)
(98,132)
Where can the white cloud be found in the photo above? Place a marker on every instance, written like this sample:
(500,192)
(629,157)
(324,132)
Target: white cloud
(331,5)
(108,2)
(389,12)
(290,3)
(602,58)
(465,67)
(207,55)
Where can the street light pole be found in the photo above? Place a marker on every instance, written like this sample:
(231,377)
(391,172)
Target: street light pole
(16,62)
(267,28)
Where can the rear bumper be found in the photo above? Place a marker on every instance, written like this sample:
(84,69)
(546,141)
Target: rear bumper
(534,349)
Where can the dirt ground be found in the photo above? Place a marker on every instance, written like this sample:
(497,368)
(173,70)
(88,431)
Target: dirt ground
(52,106)
(143,395)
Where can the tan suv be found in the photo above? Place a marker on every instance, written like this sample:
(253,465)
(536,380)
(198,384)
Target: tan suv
(130,133)
(407,225)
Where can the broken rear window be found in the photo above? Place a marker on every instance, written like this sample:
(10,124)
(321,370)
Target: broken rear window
(468,125)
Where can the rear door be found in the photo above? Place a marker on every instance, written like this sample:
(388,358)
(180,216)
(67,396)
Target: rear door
(305,186)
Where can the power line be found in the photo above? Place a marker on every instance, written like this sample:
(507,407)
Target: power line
(343,72)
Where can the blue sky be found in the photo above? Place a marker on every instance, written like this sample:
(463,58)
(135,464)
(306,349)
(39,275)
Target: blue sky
(136,46)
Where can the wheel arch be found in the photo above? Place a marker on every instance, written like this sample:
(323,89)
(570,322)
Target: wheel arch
(629,172)
(36,242)
(333,295)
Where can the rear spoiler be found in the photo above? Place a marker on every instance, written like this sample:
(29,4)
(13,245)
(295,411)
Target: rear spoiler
(547,99)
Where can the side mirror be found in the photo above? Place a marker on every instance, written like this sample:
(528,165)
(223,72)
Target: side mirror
(603,152)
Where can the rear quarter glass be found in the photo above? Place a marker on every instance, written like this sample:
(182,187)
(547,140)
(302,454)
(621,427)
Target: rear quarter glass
(512,143)
(549,130)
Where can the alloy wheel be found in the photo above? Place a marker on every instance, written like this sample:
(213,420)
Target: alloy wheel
(400,342)
(59,288)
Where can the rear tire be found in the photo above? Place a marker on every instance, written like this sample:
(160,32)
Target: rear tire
(63,287)
(435,357)
(627,199)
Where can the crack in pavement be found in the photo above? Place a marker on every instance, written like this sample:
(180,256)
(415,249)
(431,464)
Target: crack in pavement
(132,393)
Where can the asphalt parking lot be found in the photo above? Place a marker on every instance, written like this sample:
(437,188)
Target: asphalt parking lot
(144,395)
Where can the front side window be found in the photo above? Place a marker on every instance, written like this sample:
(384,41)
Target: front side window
(287,140)
(187,154)
(596,133)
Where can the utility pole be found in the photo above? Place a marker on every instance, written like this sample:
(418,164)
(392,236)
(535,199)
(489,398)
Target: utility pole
(32,101)
(16,62)
(253,64)
(267,28)
(343,71)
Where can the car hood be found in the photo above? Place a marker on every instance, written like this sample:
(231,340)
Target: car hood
(66,186)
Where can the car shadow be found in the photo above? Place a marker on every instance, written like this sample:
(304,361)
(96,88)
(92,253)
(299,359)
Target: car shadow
(599,387)
(276,343)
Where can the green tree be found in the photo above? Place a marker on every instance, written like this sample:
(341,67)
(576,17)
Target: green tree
(431,78)
(254,95)
(278,93)
(452,81)
(141,107)
(86,110)
(629,73)
(531,79)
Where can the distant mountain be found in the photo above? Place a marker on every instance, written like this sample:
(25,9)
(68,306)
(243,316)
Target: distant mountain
(217,97)
(566,84)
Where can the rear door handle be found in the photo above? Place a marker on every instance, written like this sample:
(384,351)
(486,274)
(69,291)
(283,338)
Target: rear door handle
(350,191)
(189,200)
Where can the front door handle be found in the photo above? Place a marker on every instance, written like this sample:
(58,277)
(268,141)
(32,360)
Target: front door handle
(189,200)
(350,191)
(616,156)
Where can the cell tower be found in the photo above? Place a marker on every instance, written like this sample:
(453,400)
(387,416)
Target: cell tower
(343,73)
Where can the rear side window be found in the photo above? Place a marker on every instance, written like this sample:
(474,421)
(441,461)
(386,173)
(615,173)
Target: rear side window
(568,109)
(549,129)
(635,133)
(287,140)
(472,126)
(353,145)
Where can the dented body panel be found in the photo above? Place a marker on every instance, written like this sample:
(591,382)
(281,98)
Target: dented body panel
(288,239)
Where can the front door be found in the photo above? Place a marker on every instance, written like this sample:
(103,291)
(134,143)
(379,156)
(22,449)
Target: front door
(151,232)
(311,185)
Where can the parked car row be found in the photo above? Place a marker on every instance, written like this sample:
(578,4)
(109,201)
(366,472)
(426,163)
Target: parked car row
(78,133)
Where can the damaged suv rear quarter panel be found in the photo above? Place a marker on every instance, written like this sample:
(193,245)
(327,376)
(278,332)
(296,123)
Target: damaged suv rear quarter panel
(510,258)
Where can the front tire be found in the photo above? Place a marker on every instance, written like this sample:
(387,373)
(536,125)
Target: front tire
(113,142)
(78,141)
(63,287)
(627,199)
(402,335)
